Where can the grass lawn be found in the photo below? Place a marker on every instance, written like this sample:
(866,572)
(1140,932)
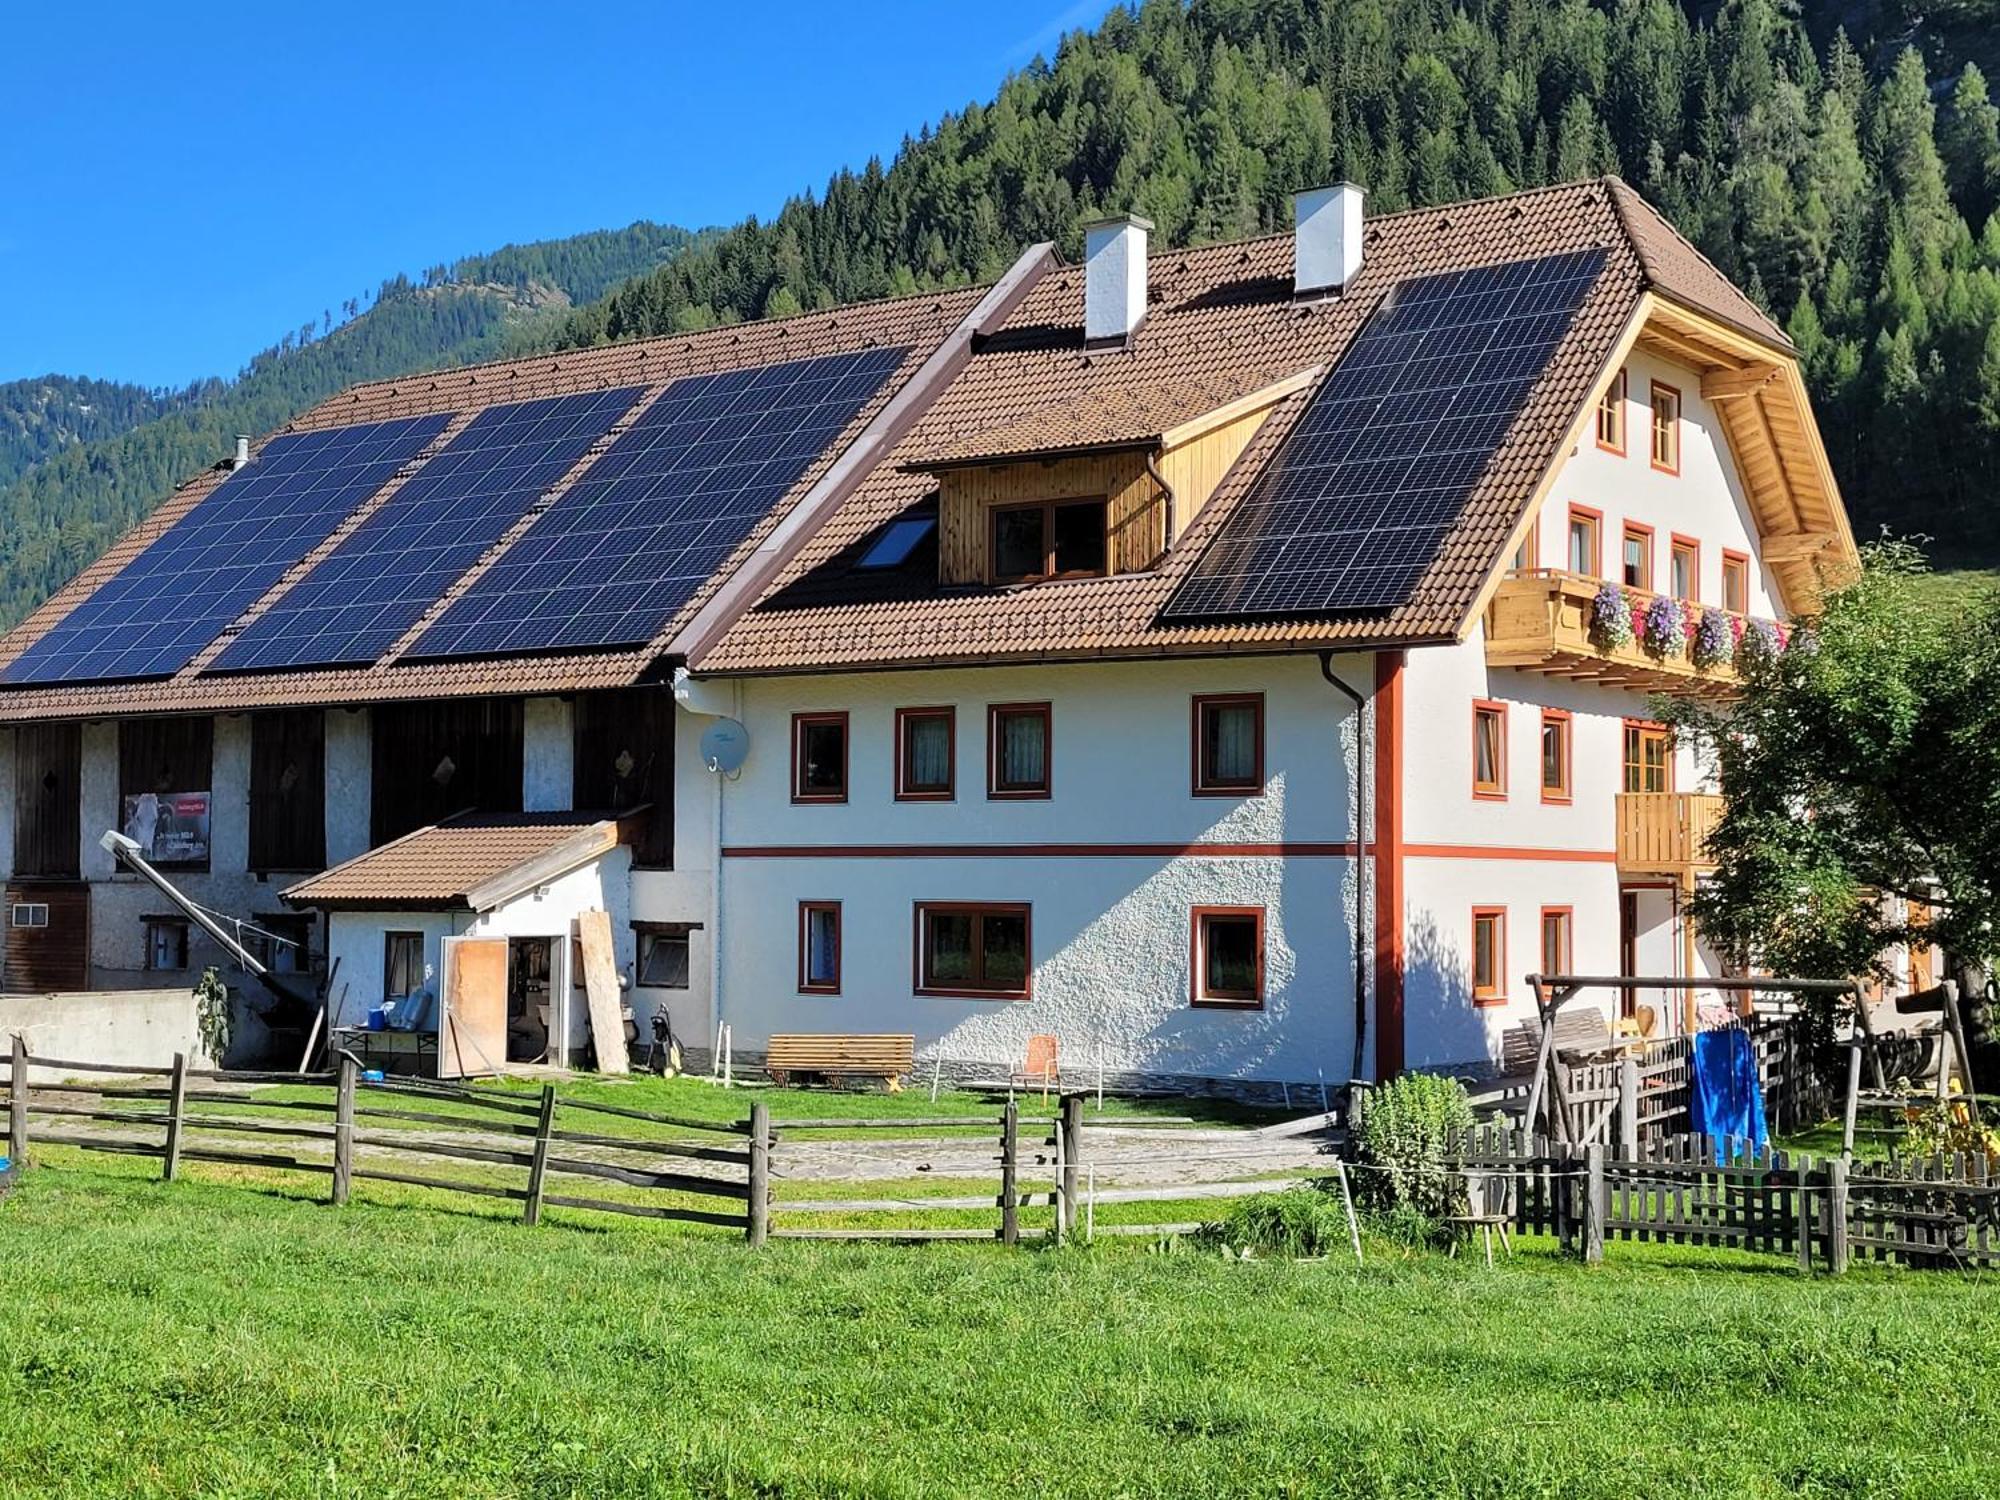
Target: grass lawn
(217,1336)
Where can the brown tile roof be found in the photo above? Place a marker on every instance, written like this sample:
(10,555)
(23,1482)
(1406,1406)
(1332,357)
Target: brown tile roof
(1223,316)
(1118,417)
(1676,270)
(462,864)
(916,322)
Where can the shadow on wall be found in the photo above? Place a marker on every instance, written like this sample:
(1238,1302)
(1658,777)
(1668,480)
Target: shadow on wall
(1441,1025)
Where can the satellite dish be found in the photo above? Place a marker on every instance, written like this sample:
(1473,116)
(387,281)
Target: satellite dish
(725,745)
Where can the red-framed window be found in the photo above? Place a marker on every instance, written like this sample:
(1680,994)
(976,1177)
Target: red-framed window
(977,950)
(1019,748)
(1228,957)
(819,757)
(1666,428)
(1635,556)
(819,947)
(1735,582)
(1611,415)
(1585,550)
(1558,932)
(1527,556)
(926,754)
(1555,755)
(1489,955)
(1228,730)
(1648,757)
(1684,569)
(1489,750)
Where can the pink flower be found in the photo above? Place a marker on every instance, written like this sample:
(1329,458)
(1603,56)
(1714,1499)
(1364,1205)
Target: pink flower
(1736,628)
(1784,635)
(1638,621)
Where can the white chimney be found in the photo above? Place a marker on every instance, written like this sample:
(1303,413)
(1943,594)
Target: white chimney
(1114,278)
(1326,239)
(242,451)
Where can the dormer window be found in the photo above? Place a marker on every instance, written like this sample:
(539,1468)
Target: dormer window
(1048,539)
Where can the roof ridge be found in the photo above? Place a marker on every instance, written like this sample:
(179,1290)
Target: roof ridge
(1627,202)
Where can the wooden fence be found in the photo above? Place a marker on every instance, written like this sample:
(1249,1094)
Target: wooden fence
(1647,1094)
(1943,1213)
(349,1130)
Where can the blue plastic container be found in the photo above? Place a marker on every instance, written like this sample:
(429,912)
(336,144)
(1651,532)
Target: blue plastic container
(378,1019)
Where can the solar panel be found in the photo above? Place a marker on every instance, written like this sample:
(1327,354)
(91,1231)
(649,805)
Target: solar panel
(1351,512)
(155,615)
(378,583)
(622,549)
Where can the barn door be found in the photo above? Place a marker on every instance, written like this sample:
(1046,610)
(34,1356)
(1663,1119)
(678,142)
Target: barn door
(472,1007)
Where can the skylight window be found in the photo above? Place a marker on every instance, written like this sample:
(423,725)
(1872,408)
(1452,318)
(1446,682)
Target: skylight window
(898,540)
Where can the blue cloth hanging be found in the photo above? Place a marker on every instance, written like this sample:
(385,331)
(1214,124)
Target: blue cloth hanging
(1727,1099)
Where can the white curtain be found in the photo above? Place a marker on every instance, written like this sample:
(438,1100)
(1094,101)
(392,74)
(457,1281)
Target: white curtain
(822,946)
(1024,750)
(1234,757)
(930,752)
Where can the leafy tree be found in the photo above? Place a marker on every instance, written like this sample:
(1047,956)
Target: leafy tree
(1863,760)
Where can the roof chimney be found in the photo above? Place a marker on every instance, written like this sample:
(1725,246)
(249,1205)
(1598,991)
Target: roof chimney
(1326,239)
(1114,278)
(242,451)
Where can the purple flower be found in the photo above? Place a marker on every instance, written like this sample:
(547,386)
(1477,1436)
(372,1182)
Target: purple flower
(1611,617)
(1664,633)
(1714,638)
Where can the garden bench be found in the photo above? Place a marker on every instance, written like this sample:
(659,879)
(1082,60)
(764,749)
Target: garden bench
(1579,1031)
(887,1057)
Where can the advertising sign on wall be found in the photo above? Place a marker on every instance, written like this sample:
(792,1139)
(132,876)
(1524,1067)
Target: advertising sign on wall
(170,828)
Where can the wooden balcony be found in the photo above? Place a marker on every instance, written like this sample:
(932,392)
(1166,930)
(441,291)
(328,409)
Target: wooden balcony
(1539,621)
(1666,833)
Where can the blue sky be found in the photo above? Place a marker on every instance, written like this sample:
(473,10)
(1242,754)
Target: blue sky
(179,184)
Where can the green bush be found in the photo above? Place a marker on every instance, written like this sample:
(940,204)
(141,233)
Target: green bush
(1408,1129)
(1298,1222)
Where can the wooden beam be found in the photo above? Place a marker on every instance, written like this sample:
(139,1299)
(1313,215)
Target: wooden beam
(1242,406)
(1728,385)
(1797,546)
(1672,344)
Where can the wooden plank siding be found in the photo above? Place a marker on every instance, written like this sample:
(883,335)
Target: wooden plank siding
(1136,509)
(288,790)
(48,801)
(412,784)
(38,960)
(624,758)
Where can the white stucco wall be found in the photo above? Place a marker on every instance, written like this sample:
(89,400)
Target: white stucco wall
(137,1028)
(349,784)
(1110,922)
(548,751)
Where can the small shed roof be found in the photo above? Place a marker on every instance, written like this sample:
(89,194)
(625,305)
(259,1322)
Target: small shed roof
(474,862)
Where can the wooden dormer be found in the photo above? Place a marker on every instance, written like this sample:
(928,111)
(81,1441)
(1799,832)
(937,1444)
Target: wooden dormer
(1103,502)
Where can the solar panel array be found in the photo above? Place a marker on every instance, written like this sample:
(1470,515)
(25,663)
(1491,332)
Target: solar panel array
(355,604)
(1352,511)
(618,553)
(155,615)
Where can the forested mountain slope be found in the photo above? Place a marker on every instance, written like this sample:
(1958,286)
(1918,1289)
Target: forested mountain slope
(81,460)
(1848,184)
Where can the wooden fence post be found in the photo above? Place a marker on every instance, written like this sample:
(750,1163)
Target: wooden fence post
(1802,1186)
(1836,1217)
(1628,1107)
(1594,1203)
(1071,1129)
(343,1129)
(538,1166)
(1853,1092)
(17,1103)
(170,1159)
(1010,1173)
(759,1226)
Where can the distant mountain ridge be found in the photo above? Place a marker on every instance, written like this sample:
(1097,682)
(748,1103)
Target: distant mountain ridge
(81,460)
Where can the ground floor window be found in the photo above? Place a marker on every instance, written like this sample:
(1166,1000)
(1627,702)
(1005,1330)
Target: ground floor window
(663,956)
(967,948)
(402,964)
(819,947)
(282,943)
(1229,955)
(166,944)
(1556,951)
(1489,955)
(29,914)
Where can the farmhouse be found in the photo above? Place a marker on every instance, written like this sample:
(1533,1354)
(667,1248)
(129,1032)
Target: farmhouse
(1235,661)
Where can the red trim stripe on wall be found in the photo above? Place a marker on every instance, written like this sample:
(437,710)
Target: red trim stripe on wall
(1388,863)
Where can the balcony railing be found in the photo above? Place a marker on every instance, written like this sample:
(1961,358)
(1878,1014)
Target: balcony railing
(1666,833)
(1541,620)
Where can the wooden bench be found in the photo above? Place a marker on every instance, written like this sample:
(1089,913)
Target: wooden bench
(828,1057)
(1580,1032)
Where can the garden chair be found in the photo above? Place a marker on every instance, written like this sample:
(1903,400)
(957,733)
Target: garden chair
(1489,1199)
(1041,1064)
